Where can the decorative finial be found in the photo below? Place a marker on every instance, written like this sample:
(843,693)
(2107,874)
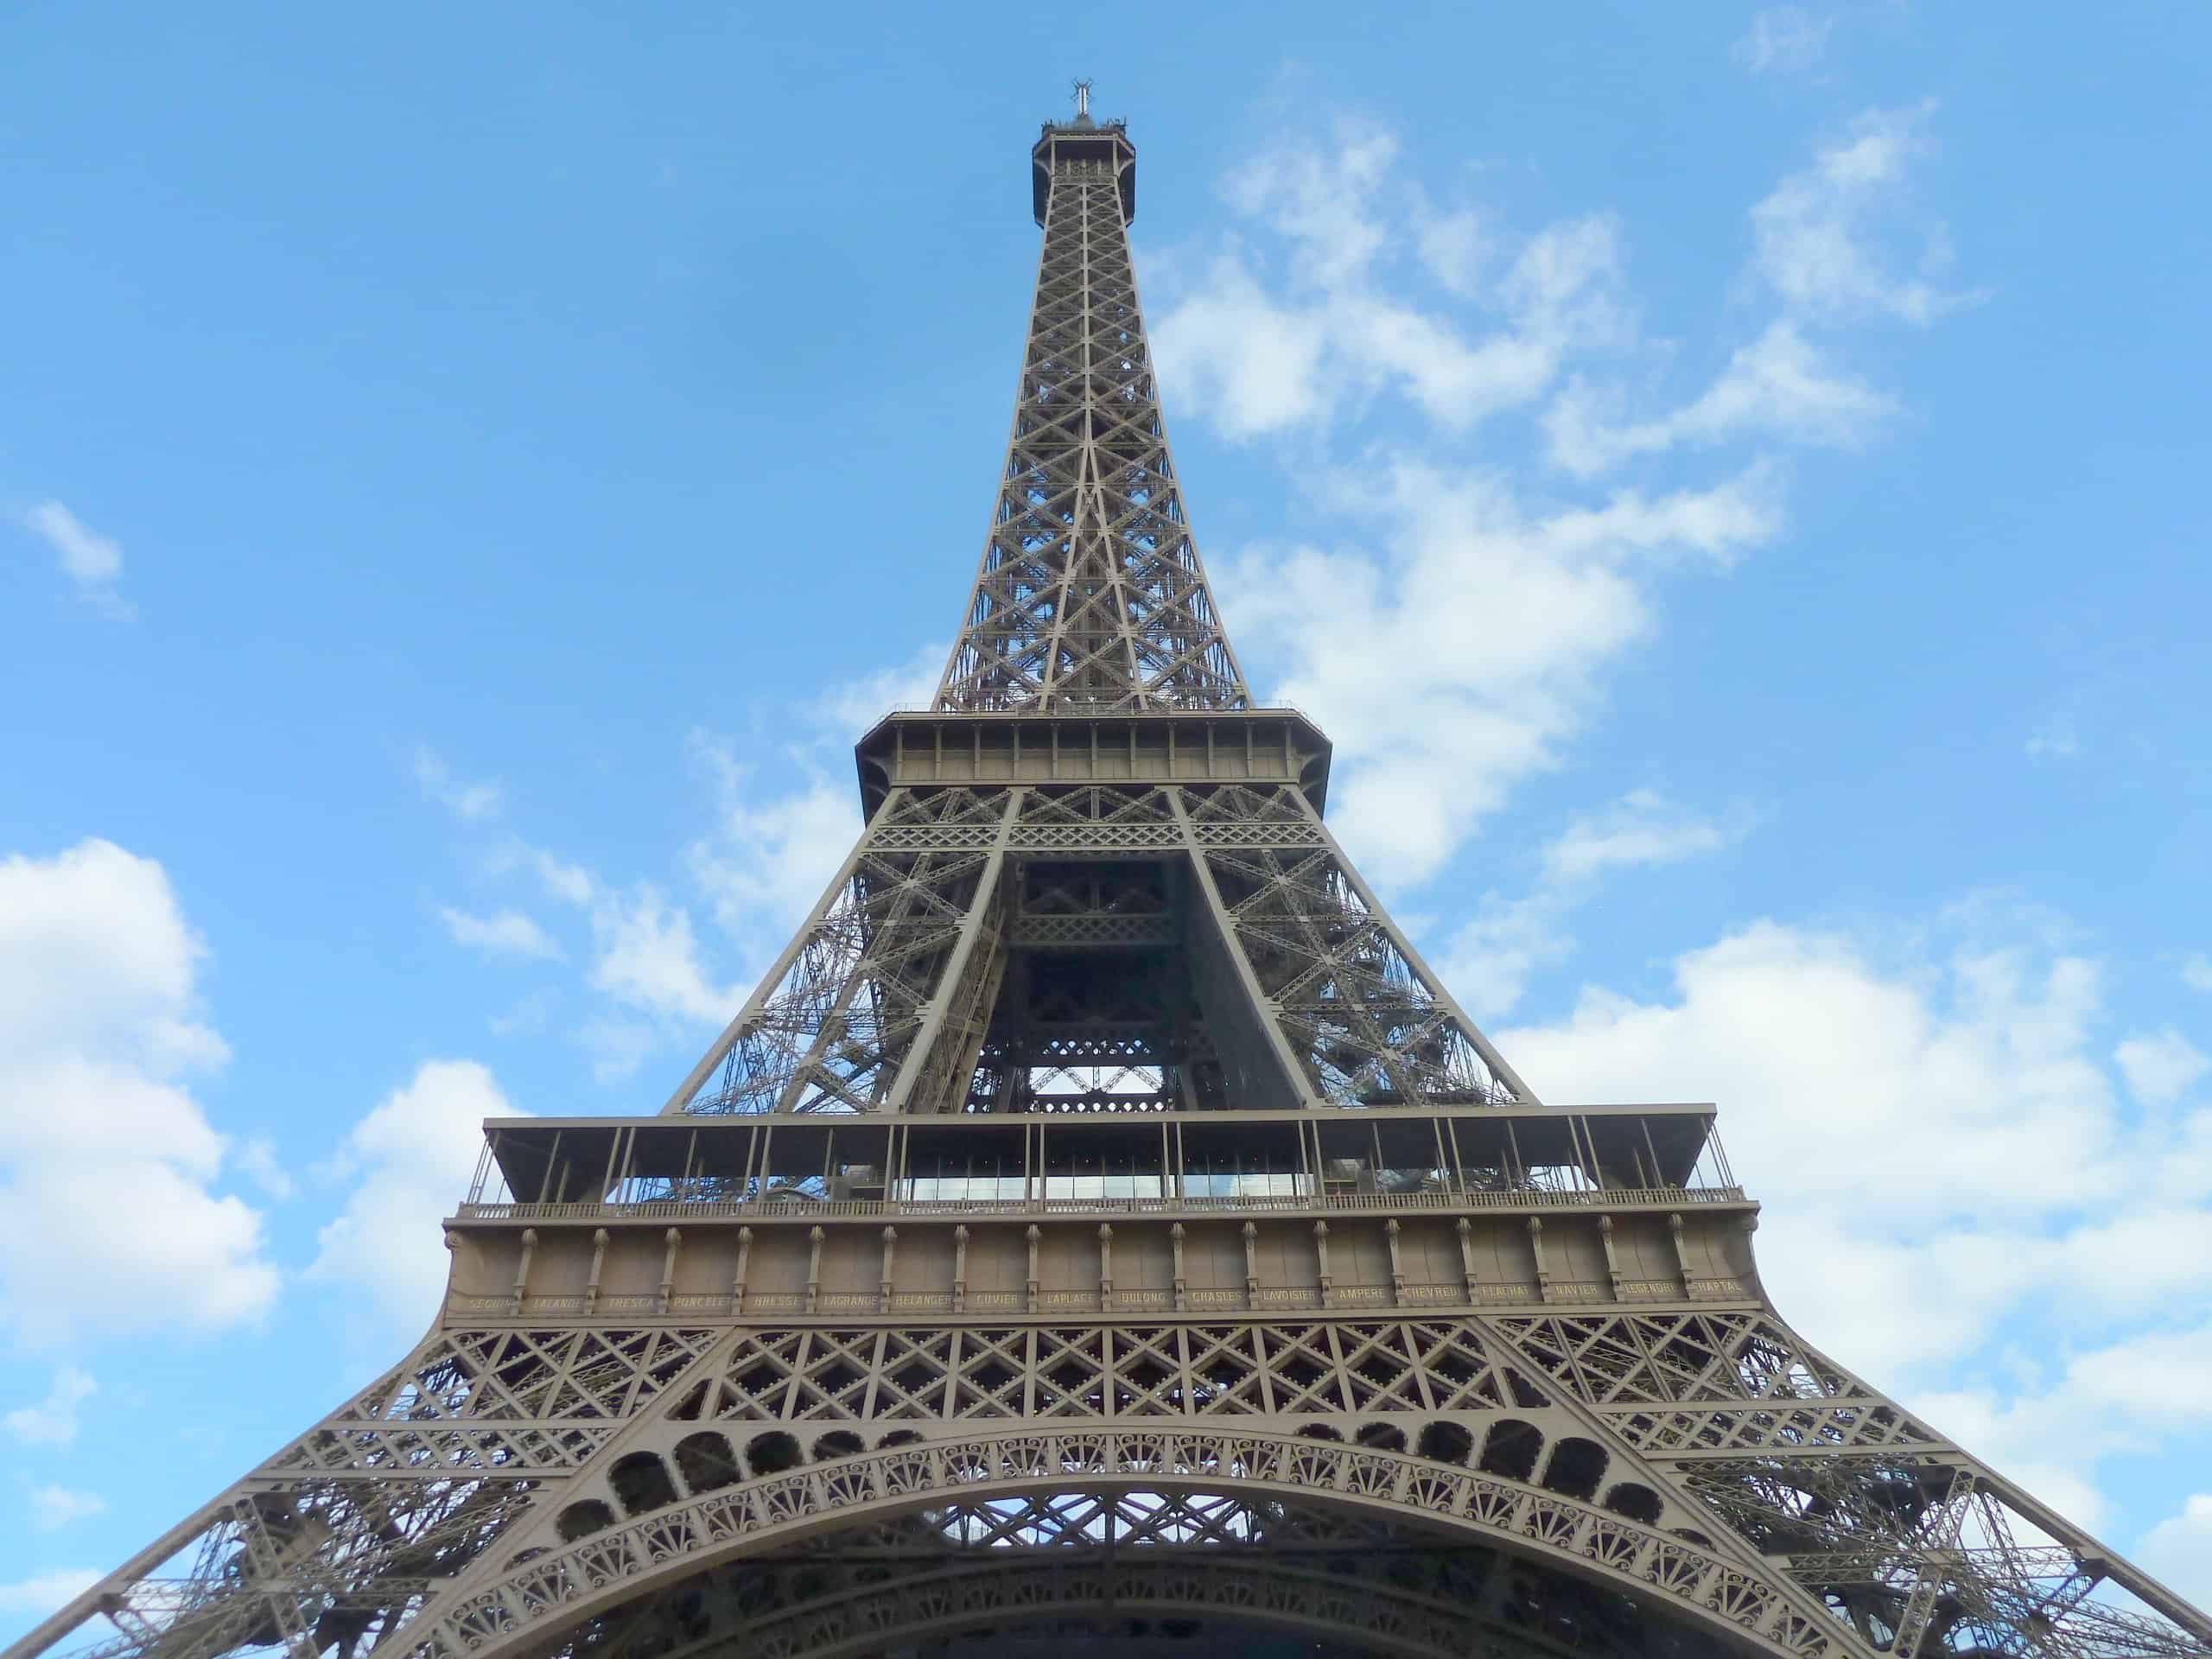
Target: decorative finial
(1083,99)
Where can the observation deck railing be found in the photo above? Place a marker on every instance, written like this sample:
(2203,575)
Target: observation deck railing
(792,1208)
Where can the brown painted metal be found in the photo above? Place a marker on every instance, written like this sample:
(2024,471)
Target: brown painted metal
(1102,1227)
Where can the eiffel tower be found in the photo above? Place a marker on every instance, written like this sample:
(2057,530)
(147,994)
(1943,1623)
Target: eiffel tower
(1101,1229)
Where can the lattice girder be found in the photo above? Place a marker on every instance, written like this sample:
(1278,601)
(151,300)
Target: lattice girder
(1091,594)
(908,973)
(1058,1432)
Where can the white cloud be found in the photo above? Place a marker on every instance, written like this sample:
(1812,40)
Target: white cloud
(761,868)
(618,1046)
(56,1507)
(1846,1086)
(1820,234)
(45,1592)
(2160,1066)
(470,802)
(259,1161)
(846,710)
(1490,959)
(2178,1551)
(1783,40)
(1956,1202)
(2058,1425)
(527,1012)
(571,884)
(2196,972)
(1257,361)
(1467,630)
(55,1419)
(414,1154)
(768,859)
(1780,384)
(1455,247)
(2054,741)
(92,562)
(100,1028)
(505,933)
(646,957)
(1495,623)
(1643,828)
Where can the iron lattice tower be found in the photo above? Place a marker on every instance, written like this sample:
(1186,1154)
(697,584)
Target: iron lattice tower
(1101,1227)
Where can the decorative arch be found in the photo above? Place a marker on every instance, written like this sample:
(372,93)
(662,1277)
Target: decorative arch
(994,1591)
(526,1607)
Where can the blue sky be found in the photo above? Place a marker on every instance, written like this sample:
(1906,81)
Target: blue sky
(1729,480)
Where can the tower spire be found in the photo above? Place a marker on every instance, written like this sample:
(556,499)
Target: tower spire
(1090,596)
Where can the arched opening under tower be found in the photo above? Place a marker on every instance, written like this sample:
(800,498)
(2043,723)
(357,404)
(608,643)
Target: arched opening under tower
(1137,1575)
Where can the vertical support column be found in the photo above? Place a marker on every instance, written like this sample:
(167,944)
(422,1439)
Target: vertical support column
(883,1282)
(1398,1268)
(675,1239)
(1263,1008)
(598,1261)
(737,1279)
(522,1270)
(915,1071)
(1682,1252)
(960,1270)
(1182,1285)
(1536,1249)
(1465,1230)
(813,1267)
(1251,1265)
(1032,1235)
(1321,1257)
(1106,1266)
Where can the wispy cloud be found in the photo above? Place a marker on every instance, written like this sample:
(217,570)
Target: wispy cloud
(504,933)
(471,802)
(1825,236)
(1488,960)
(2055,740)
(56,1507)
(1641,830)
(2161,1066)
(43,1592)
(53,1420)
(93,562)
(1304,329)
(1464,625)
(2179,1549)
(1783,40)
(1781,383)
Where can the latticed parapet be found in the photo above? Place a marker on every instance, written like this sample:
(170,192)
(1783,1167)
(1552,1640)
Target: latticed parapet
(1090,596)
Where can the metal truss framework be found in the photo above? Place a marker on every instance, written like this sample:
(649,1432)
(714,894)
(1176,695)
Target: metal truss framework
(1656,1482)
(1095,883)
(889,998)
(1090,597)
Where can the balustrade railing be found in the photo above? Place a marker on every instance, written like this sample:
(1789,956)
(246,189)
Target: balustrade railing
(1609,1198)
